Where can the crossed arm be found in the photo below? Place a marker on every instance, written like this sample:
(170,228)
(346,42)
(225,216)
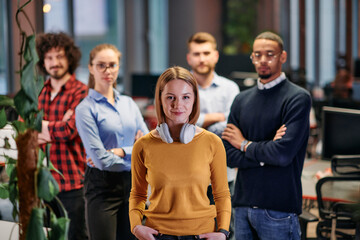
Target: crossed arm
(234,136)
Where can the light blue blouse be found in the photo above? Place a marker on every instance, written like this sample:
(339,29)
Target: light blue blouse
(103,126)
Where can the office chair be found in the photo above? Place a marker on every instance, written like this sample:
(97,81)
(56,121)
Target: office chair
(336,217)
(345,164)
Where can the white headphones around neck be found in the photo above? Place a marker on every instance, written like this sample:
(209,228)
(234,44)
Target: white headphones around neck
(187,133)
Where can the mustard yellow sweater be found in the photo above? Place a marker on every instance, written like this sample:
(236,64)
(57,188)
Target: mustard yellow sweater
(179,175)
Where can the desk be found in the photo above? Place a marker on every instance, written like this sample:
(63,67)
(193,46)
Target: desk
(335,192)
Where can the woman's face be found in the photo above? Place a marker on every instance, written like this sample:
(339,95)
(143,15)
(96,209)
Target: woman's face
(105,68)
(177,100)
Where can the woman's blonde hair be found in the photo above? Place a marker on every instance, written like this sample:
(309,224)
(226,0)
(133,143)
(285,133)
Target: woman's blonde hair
(96,50)
(181,74)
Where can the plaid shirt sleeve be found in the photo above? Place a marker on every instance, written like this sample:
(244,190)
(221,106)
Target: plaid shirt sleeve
(65,131)
(67,153)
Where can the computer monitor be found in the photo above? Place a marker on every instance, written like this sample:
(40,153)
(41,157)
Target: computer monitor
(143,85)
(340,131)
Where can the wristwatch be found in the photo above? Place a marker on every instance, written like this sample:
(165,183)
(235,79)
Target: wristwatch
(243,144)
(227,233)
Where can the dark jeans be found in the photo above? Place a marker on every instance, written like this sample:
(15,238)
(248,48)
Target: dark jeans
(256,223)
(107,204)
(74,205)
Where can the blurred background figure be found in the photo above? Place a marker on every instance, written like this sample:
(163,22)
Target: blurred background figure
(109,123)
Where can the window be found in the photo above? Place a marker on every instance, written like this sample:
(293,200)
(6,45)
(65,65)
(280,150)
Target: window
(5,59)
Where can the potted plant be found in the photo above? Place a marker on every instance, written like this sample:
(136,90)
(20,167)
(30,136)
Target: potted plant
(30,184)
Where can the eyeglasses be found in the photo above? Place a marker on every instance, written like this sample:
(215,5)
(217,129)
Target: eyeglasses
(102,67)
(269,57)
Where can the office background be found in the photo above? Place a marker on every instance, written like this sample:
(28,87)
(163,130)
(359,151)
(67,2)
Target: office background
(152,34)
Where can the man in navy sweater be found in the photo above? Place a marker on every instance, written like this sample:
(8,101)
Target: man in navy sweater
(266,139)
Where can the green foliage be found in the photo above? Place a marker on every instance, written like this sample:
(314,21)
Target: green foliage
(26,104)
(47,186)
(26,100)
(3,120)
(6,101)
(4,193)
(59,226)
(35,228)
(240,25)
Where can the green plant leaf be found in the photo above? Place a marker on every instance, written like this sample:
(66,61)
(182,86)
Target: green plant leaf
(4,190)
(28,82)
(59,227)
(3,120)
(13,190)
(24,105)
(51,167)
(6,101)
(30,53)
(35,229)
(19,126)
(47,186)
(41,156)
(38,121)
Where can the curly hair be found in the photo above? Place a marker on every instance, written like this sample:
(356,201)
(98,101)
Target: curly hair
(47,41)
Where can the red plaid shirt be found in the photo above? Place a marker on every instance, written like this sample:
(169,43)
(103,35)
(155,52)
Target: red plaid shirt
(67,152)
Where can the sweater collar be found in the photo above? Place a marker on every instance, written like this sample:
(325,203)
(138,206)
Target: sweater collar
(271,84)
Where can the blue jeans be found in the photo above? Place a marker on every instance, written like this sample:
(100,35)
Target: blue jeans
(256,223)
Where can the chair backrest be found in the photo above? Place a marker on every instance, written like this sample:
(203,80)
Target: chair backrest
(337,197)
(346,165)
(330,190)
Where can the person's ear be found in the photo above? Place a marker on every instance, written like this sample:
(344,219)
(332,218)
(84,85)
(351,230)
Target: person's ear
(217,55)
(283,56)
(91,69)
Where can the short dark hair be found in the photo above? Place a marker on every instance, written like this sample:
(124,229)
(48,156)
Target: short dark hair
(202,37)
(47,41)
(271,36)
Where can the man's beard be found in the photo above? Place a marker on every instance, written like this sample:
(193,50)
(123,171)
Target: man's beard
(58,76)
(265,76)
(208,71)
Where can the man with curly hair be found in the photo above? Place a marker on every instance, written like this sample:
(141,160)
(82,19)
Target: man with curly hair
(59,58)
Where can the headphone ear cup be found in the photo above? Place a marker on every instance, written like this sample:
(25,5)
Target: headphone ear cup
(164,133)
(187,133)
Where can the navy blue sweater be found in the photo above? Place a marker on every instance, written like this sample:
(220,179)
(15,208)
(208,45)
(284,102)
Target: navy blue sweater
(259,114)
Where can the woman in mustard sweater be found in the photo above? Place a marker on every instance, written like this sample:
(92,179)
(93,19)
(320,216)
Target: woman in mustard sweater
(179,160)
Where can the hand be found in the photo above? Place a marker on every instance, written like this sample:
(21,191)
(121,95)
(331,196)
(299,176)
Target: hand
(144,233)
(138,135)
(44,135)
(89,161)
(213,236)
(67,115)
(233,135)
(118,151)
(280,132)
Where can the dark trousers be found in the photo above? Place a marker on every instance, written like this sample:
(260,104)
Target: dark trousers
(74,205)
(212,202)
(107,204)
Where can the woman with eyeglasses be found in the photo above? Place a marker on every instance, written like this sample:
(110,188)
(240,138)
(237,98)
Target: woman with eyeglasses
(108,123)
